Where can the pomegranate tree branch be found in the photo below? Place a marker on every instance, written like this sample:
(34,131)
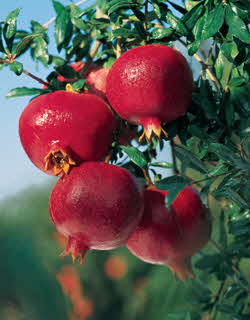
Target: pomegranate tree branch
(205,66)
(214,177)
(35,78)
(174,162)
(46,24)
(147,177)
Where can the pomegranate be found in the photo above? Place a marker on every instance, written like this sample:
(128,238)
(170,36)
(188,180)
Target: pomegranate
(97,206)
(171,236)
(61,129)
(150,85)
(95,78)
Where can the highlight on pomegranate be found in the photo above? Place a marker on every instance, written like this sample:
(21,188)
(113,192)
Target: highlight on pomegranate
(125,160)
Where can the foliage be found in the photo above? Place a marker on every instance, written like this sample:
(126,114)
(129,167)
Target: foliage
(210,144)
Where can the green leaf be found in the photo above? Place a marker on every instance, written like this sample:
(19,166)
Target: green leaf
(209,23)
(193,15)
(159,33)
(157,10)
(178,8)
(16,67)
(173,185)
(166,165)
(1,41)
(78,85)
(116,5)
(135,156)
(24,91)
(173,193)
(213,23)
(177,24)
(62,27)
(10,29)
(237,26)
(67,72)
(230,50)
(75,17)
(188,156)
(194,47)
(24,42)
(40,50)
(233,195)
(58,7)
(124,32)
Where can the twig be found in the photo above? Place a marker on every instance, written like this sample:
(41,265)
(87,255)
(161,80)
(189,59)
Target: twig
(175,169)
(46,24)
(147,177)
(35,78)
(205,66)
(217,299)
(213,177)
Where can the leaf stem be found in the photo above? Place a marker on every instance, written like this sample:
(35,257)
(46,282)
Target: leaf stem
(217,299)
(35,77)
(46,24)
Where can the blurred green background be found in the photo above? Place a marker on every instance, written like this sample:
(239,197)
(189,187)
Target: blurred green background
(35,283)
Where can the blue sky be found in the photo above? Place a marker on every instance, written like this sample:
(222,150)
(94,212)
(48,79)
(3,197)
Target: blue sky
(17,172)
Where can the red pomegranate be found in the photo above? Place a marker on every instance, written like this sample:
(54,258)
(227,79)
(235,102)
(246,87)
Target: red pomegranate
(96,78)
(171,236)
(97,206)
(61,129)
(150,85)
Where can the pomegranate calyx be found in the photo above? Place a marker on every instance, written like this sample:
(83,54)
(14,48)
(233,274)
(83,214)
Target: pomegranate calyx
(181,268)
(69,88)
(151,126)
(59,161)
(77,250)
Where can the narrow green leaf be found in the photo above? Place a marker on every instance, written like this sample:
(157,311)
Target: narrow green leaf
(193,15)
(178,8)
(159,33)
(166,165)
(1,41)
(24,91)
(124,32)
(16,67)
(24,42)
(157,10)
(40,50)
(177,24)
(213,23)
(62,27)
(58,7)
(233,195)
(194,47)
(237,26)
(11,23)
(189,157)
(199,27)
(135,156)
(78,85)
(67,72)
(117,5)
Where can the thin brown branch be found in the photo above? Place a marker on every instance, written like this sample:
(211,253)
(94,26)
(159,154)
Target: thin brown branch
(214,177)
(46,24)
(207,68)
(35,78)
(147,177)
(3,61)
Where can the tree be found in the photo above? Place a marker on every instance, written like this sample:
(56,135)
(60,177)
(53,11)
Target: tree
(210,145)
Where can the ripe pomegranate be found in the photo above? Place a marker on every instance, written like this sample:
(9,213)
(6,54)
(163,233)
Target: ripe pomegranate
(61,129)
(171,236)
(97,206)
(95,78)
(150,85)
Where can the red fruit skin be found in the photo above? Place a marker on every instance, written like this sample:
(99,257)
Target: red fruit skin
(97,204)
(80,124)
(171,236)
(151,83)
(95,78)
